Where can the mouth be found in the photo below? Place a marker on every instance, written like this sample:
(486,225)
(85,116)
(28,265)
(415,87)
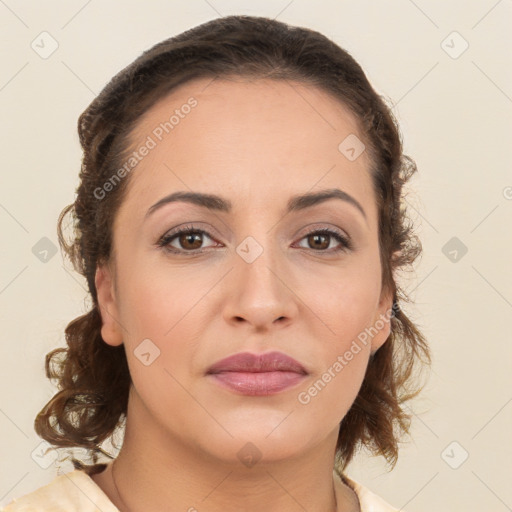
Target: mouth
(257,375)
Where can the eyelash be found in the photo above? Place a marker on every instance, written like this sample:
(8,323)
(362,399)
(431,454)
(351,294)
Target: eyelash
(165,240)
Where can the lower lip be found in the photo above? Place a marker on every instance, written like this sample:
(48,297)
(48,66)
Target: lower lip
(258,383)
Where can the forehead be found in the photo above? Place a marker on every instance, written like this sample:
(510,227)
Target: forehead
(253,140)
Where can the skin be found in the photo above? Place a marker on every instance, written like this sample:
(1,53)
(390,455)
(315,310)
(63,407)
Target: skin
(255,143)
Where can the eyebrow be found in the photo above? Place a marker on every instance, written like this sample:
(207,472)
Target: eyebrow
(295,203)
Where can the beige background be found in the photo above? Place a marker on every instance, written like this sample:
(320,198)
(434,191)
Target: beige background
(455,113)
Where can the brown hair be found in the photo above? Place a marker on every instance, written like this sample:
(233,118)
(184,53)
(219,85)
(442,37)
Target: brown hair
(93,377)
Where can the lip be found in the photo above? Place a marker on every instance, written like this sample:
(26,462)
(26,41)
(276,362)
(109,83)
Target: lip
(257,374)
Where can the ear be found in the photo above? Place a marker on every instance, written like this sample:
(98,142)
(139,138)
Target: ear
(382,321)
(111,331)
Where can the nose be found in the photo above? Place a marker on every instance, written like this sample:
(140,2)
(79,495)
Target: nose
(260,293)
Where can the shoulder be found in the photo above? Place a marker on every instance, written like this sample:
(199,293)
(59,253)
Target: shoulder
(71,492)
(369,501)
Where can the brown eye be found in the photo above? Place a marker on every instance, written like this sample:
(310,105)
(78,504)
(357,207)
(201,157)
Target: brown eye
(318,241)
(188,239)
(191,240)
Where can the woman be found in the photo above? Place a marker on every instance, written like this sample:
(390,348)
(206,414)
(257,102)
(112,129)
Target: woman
(240,223)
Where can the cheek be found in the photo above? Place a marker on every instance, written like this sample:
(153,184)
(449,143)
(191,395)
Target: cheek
(158,313)
(345,301)
(166,307)
(329,396)
(157,302)
(345,354)
(347,306)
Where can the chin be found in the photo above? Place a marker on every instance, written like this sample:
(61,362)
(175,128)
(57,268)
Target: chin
(265,441)
(251,451)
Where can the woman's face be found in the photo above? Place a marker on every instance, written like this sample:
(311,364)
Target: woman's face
(257,274)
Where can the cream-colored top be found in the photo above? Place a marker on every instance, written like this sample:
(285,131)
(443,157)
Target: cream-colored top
(78,492)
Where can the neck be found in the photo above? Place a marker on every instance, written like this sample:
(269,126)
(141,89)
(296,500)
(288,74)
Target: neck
(155,472)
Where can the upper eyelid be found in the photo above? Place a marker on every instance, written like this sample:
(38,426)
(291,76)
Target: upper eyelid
(190,227)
